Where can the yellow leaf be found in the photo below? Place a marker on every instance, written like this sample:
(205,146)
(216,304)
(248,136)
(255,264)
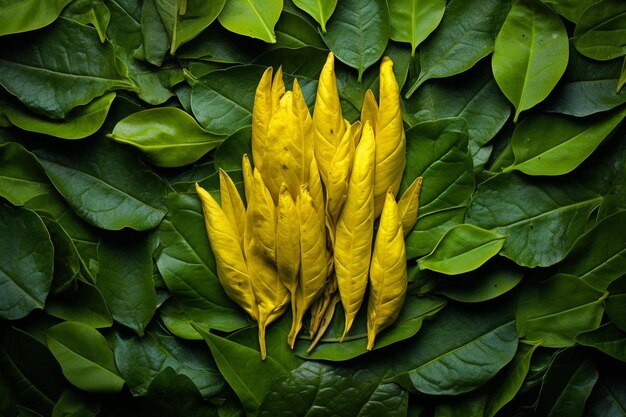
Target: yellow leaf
(232,205)
(248,177)
(316,190)
(232,270)
(408,206)
(338,175)
(261,218)
(278,88)
(312,260)
(325,319)
(321,305)
(390,137)
(327,117)
(369,111)
(353,239)
(305,125)
(357,127)
(261,116)
(388,278)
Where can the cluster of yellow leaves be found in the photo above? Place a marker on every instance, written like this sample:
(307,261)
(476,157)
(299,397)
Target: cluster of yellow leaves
(318,185)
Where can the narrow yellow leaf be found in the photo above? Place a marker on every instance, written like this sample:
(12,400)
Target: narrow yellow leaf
(305,125)
(278,88)
(261,218)
(325,320)
(408,206)
(316,189)
(369,111)
(390,137)
(357,127)
(261,116)
(232,205)
(327,117)
(339,174)
(353,239)
(388,277)
(248,177)
(232,270)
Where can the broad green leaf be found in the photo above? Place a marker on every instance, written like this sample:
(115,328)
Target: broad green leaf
(220,46)
(177,322)
(472,404)
(185,261)
(92,12)
(556,310)
(26,262)
(168,136)
(556,145)
(73,403)
(608,339)
(193,17)
(358,32)
(21,175)
(509,382)
(462,249)
(541,219)
(125,280)
(615,302)
(599,256)
(30,70)
(336,391)
(318,10)
(81,122)
(601,30)
(430,228)
(608,398)
(254,18)
(106,185)
(18,16)
(413,20)
(569,9)
(228,155)
(294,31)
(414,312)
(466,35)
(86,359)
(140,360)
(567,384)
(622,77)
(587,87)
(66,258)
(84,303)
(530,54)
(461,349)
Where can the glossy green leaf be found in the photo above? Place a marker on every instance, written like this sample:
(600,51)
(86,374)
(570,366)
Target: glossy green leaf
(21,16)
(92,12)
(615,302)
(608,339)
(541,219)
(72,403)
(318,10)
(569,9)
(185,261)
(295,31)
(413,20)
(125,280)
(358,39)
(29,70)
(26,262)
(21,176)
(608,398)
(254,18)
(336,391)
(466,35)
(462,249)
(86,359)
(599,256)
(556,145)
(106,185)
(556,310)
(430,228)
(140,360)
(81,122)
(601,30)
(84,303)
(530,54)
(66,258)
(168,136)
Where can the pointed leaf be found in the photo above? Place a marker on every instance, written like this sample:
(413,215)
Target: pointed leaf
(413,20)
(254,18)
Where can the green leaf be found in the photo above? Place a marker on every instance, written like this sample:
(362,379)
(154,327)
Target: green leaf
(81,122)
(462,249)
(30,70)
(461,349)
(72,403)
(413,20)
(92,12)
(530,54)
(86,359)
(569,9)
(294,31)
(66,258)
(318,387)
(84,303)
(608,398)
(601,30)
(254,18)
(26,262)
(358,32)
(608,339)
(125,280)
(615,302)
(141,360)
(21,16)
(509,382)
(567,384)
(321,11)
(106,185)
(177,322)
(599,256)
(556,310)
(185,261)
(21,176)
(414,312)
(466,35)
(168,136)
(196,16)
(556,145)
(229,154)
(541,219)
(430,228)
